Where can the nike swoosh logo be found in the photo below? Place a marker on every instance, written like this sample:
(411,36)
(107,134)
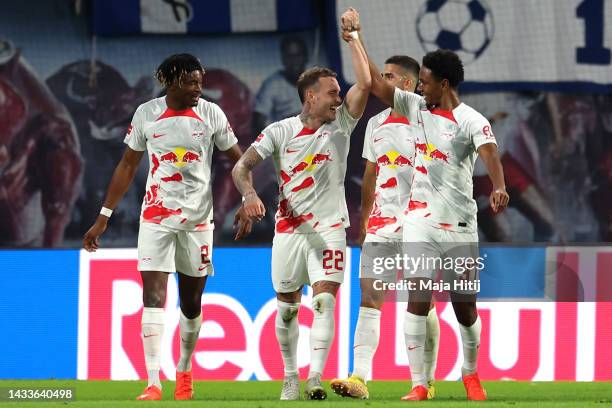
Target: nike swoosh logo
(410,348)
(378,140)
(319,348)
(292,151)
(358,345)
(147,336)
(330,273)
(155,135)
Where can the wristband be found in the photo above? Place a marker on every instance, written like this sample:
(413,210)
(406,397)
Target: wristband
(354,34)
(107,212)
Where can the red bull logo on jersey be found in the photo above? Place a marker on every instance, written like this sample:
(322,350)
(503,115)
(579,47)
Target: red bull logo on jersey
(393,159)
(430,152)
(310,162)
(179,157)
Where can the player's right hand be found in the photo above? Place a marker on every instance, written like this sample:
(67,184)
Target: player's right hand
(253,206)
(350,20)
(90,240)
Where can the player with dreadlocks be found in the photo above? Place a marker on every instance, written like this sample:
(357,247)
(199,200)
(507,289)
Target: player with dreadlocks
(179,131)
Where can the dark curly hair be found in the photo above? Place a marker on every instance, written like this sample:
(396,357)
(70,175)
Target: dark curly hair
(174,67)
(445,64)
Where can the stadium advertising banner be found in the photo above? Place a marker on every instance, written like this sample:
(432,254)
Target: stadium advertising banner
(506,45)
(525,336)
(88,322)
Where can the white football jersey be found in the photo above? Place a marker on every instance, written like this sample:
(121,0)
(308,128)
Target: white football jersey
(180,146)
(310,166)
(442,190)
(389,142)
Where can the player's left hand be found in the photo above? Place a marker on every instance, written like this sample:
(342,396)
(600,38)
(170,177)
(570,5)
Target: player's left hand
(499,199)
(243,222)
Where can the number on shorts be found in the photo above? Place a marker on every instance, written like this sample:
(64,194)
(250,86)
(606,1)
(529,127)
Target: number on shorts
(204,253)
(335,256)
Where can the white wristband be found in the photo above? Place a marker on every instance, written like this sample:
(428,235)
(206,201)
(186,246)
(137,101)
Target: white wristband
(354,34)
(107,212)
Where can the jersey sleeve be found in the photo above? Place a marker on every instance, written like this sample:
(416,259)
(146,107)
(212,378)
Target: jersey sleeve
(368,146)
(407,103)
(345,120)
(268,141)
(135,137)
(223,134)
(481,132)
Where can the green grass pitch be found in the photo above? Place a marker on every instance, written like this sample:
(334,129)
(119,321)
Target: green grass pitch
(262,394)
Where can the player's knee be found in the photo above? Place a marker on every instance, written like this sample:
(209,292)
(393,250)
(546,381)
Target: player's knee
(288,311)
(323,302)
(154,298)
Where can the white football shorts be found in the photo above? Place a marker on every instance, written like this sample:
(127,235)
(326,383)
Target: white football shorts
(165,249)
(303,259)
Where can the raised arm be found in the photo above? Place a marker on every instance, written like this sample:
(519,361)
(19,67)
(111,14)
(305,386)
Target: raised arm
(119,185)
(357,96)
(490,157)
(379,87)
(241,174)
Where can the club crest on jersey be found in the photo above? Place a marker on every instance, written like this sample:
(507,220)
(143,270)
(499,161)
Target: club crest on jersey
(198,135)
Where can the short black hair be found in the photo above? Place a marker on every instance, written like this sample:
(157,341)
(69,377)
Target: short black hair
(175,66)
(445,64)
(287,40)
(408,63)
(310,77)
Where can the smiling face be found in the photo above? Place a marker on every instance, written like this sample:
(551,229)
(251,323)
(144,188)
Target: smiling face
(430,87)
(324,99)
(187,91)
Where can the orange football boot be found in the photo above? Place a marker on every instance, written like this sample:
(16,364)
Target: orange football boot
(473,388)
(184,386)
(151,393)
(418,393)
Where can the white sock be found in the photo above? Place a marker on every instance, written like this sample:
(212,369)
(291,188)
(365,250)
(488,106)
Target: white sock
(367,334)
(470,337)
(432,342)
(415,327)
(152,330)
(322,332)
(287,332)
(190,332)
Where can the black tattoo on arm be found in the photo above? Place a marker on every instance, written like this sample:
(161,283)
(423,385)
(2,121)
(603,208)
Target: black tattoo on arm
(242,170)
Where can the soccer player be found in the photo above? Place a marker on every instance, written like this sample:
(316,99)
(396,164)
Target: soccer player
(179,132)
(310,152)
(389,152)
(441,217)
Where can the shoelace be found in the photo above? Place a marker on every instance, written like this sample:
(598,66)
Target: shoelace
(184,387)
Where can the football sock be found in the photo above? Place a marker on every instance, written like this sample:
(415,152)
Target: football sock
(152,330)
(190,332)
(287,332)
(470,337)
(415,327)
(322,331)
(367,334)
(432,342)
